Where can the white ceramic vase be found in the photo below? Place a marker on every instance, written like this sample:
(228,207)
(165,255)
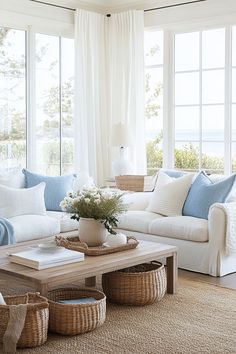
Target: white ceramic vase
(92,232)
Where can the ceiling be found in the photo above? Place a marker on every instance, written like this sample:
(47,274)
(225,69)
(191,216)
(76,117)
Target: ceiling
(113,5)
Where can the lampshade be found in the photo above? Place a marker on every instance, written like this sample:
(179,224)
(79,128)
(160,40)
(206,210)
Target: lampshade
(121,135)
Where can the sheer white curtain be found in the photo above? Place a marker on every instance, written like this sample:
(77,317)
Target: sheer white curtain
(91,119)
(109,88)
(126,60)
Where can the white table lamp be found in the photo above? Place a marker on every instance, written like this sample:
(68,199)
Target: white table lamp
(121,137)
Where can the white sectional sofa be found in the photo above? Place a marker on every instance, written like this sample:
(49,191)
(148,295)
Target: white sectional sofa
(201,243)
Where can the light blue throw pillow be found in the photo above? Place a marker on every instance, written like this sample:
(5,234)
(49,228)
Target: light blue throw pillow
(56,187)
(203,193)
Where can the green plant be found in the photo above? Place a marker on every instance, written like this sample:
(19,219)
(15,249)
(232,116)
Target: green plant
(99,204)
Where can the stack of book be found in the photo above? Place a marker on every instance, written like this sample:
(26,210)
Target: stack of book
(38,259)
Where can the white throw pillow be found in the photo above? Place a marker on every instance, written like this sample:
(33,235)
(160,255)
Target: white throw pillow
(22,201)
(169,195)
(13,178)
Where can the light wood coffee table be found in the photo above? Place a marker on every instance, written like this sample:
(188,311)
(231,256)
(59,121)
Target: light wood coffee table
(91,267)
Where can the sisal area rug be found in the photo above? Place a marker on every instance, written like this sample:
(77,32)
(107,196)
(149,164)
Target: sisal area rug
(199,319)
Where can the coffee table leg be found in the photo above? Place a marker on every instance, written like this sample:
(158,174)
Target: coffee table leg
(171,264)
(43,289)
(91,281)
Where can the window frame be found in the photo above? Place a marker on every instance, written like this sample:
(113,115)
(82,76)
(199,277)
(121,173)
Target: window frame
(169,33)
(30,86)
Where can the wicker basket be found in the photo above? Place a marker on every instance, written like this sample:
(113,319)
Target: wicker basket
(36,322)
(74,319)
(136,183)
(139,285)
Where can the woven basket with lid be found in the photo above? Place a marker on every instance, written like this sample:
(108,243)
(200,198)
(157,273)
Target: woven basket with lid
(139,285)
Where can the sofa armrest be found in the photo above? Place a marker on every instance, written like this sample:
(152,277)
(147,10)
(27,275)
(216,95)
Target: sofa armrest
(222,222)
(217,224)
(137,200)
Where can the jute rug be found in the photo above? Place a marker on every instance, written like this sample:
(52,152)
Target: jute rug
(200,318)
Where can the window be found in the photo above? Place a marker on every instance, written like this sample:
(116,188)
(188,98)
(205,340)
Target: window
(200,100)
(12,97)
(154,99)
(54,97)
(50,147)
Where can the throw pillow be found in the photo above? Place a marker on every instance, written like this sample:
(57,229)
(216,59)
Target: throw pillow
(169,195)
(56,187)
(22,201)
(204,193)
(13,178)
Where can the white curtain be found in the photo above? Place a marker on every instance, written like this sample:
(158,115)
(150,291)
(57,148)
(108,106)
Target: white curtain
(91,119)
(126,59)
(109,88)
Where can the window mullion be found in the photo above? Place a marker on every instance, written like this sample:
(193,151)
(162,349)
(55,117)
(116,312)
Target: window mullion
(200,100)
(60,104)
(228,100)
(168,101)
(31,101)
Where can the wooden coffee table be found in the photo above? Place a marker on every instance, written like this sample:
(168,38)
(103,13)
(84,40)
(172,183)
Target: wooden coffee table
(91,267)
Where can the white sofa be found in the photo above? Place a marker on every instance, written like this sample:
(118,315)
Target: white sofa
(200,242)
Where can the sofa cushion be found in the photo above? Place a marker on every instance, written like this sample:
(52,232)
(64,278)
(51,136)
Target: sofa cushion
(180,227)
(13,178)
(31,227)
(203,193)
(137,220)
(22,201)
(66,223)
(169,195)
(56,187)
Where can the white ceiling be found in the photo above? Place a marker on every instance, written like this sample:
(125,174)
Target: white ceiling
(113,5)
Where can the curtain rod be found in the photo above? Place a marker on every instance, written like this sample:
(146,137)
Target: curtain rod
(108,15)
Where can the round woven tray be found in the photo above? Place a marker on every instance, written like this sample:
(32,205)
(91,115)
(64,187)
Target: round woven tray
(139,285)
(36,322)
(74,319)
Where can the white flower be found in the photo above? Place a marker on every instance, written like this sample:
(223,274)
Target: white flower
(87,200)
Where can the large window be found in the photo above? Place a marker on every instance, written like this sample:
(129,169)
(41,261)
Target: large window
(154,99)
(12,97)
(200,100)
(54,97)
(50,147)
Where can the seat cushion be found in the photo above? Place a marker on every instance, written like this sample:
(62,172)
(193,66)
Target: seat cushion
(66,223)
(180,227)
(31,227)
(137,220)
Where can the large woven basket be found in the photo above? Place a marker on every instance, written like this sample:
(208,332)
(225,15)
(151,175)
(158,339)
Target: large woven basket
(139,285)
(36,322)
(74,319)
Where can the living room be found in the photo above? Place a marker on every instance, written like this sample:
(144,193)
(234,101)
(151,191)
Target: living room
(131,97)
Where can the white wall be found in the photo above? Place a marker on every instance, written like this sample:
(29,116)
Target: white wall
(43,18)
(219,10)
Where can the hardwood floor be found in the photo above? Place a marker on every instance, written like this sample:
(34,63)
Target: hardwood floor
(228,281)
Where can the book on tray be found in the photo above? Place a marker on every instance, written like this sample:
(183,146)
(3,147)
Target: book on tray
(37,259)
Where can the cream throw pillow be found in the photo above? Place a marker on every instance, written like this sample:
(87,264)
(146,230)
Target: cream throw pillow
(22,201)
(169,195)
